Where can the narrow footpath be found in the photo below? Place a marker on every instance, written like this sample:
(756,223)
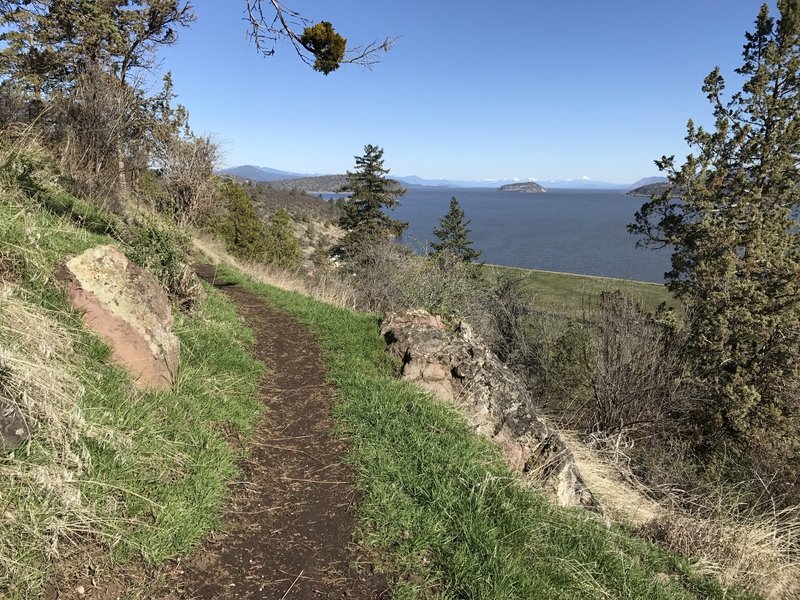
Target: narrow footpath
(287,530)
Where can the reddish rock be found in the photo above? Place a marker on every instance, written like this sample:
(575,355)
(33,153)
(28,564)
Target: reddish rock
(127,307)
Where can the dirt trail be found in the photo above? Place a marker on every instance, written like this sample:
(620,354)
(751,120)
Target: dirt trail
(287,531)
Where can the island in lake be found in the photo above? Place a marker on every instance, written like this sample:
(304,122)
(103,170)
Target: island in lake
(655,189)
(530,187)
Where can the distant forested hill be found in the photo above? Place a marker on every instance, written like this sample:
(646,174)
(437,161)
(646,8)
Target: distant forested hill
(653,189)
(267,199)
(323,183)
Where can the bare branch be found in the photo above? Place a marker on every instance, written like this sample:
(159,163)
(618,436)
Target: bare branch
(277,22)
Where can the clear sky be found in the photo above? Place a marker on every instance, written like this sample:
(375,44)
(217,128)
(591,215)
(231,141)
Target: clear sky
(545,89)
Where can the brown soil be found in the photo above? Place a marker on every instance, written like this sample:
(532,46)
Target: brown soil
(288,528)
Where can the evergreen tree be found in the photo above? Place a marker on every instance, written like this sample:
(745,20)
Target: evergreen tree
(48,44)
(363,213)
(283,250)
(736,258)
(454,235)
(241,229)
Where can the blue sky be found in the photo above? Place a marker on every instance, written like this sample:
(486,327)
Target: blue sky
(545,89)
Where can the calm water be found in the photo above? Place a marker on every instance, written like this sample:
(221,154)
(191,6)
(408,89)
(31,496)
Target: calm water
(575,231)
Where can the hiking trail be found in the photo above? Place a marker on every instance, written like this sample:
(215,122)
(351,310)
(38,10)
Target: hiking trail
(288,527)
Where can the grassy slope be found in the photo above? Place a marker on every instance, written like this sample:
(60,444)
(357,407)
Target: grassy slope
(158,474)
(440,504)
(437,501)
(564,293)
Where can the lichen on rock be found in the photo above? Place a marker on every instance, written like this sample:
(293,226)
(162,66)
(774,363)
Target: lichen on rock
(127,307)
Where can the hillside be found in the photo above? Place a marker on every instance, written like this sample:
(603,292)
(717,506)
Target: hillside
(647,181)
(529,187)
(258,174)
(322,183)
(169,478)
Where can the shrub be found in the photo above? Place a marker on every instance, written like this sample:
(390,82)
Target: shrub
(282,248)
(162,249)
(239,226)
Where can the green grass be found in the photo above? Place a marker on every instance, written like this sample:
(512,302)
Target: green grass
(440,506)
(566,293)
(155,464)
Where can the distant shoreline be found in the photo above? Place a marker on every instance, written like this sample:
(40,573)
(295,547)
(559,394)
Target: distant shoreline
(601,277)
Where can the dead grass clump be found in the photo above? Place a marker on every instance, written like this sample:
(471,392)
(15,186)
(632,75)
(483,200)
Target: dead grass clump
(40,480)
(742,547)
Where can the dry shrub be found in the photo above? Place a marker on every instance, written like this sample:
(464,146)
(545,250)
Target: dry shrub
(25,165)
(389,277)
(740,545)
(636,370)
(44,507)
(94,128)
(186,164)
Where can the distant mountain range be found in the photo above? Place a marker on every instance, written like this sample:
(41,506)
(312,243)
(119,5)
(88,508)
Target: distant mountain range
(254,173)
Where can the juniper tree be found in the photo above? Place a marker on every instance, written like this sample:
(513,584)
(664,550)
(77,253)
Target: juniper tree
(735,240)
(240,228)
(363,213)
(282,248)
(48,44)
(454,235)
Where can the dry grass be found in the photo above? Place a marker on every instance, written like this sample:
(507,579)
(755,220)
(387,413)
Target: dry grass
(321,285)
(622,501)
(751,550)
(727,538)
(44,507)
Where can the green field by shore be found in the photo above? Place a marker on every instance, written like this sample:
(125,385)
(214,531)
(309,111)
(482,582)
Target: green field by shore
(567,293)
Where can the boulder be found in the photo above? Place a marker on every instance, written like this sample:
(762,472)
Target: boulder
(127,307)
(459,368)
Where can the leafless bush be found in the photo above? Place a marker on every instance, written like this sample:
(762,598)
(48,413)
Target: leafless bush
(511,312)
(388,277)
(186,164)
(372,270)
(637,375)
(94,128)
(16,106)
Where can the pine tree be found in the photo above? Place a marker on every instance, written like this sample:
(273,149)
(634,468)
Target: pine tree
(283,249)
(363,213)
(736,258)
(454,235)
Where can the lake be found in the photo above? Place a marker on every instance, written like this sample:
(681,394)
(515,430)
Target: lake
(574,231)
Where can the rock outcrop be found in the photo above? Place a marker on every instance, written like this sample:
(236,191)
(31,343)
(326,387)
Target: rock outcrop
(460,369)
(127,307)
(13,426)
